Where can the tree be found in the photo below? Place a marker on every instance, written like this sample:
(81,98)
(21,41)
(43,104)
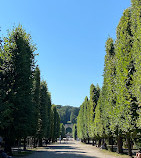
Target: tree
(67,113)
(22,49)
(74,114)
(36,104)
(62,130)
(48,134)
(55,124)
(135,28)
(80,123)
(85,124)
(98,121)
(94,96)
(18,61)
(6,106)
(74,131)
(43,112)
(126,104)
(108,91)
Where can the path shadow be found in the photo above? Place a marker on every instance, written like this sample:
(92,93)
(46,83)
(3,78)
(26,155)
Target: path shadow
(53,154)
(69,151)
(59,147)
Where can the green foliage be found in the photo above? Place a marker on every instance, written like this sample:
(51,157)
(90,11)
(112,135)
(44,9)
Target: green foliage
(55,124)
(98,121)
(62,131)
(48,133)
(82,120)
(86,116)
(94,96)
(136,49)
(74,114)
(126,101)
(85,123)
(80,123)
(45,115)
(6,106)
(43,110)
(113,111)
(25,103)
(74,131)
(106,103)
(117,111)
(67,113)
(36,101)
(19,48)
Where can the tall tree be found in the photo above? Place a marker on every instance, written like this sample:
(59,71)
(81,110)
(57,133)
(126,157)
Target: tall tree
(55,124)
(5,86)
(126,105)
(80,123)
(94,96)
(62,130)
(36,104)
(75,131)
(135,27)
(43,112)
(106,100)
(20,67)
(98,120)
(48,133)
(85,127)
(110,91)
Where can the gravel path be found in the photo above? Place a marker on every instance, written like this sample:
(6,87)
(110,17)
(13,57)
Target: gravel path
(70,149)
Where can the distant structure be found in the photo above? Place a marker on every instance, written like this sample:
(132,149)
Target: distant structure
(68,129)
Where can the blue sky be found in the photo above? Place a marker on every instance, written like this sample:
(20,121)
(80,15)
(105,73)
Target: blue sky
(70,36)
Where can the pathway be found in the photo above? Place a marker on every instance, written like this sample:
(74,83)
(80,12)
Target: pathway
(70,149)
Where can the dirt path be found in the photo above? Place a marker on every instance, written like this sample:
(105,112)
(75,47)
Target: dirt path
(70,149)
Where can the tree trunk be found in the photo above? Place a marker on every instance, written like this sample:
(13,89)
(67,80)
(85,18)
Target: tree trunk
(119,144)
(103,141)
(24,144)
(49,141)
(85,140)
(111,143)
(88,140)
(8,148)
(19,145)
(93,142)
(99,143)
(46,142)
(40,142)
(34,142)
(53,140)
(129,145)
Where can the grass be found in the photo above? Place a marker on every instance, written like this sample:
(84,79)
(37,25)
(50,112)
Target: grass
(107,152)
(22,153)
(115,154)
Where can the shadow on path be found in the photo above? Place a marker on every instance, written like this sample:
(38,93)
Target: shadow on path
(60,147)
(59,151)
(53,154)
(70,151)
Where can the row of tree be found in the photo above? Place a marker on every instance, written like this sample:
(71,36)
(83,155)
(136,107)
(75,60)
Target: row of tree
(117,116)
(25,103)
(85,119)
